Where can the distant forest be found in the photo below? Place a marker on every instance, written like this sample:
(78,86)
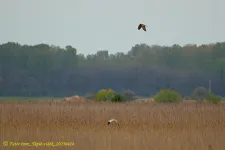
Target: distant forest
(46,70)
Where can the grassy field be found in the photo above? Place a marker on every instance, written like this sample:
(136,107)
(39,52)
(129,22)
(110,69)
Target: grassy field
(185,126)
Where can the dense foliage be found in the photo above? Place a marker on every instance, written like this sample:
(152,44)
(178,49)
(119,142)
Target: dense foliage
(212,98)
(104,95)
(200,93)
(167,95)
(118,98)
(108,95)
(128,94)
(45,70)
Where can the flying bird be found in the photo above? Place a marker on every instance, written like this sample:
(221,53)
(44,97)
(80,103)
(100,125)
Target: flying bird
(143,26)
(113,120)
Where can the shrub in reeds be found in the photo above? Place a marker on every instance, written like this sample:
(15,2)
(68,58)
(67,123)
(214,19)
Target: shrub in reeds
(167,95)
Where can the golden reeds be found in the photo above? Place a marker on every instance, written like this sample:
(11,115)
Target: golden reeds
(151,126)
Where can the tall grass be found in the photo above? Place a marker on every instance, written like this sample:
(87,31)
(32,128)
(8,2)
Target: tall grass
(185,126)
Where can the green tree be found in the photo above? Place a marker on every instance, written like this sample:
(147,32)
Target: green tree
(49,70)
(167,95)
(200,93)
(104,95)
(118,98)
(128,94)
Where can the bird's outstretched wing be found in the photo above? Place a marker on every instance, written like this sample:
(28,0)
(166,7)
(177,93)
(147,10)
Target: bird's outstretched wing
(144,28)
(139,27)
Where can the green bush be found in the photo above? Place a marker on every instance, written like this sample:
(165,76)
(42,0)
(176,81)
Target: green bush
(117,98)
(200,93)
(104,95)
(212,98)
(167,95)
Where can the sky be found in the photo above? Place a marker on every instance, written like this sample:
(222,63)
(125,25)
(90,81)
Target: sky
(93,25)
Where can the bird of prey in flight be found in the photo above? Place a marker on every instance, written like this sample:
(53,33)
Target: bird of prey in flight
(143,26)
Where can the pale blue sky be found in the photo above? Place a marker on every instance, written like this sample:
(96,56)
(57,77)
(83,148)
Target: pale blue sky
(91,25)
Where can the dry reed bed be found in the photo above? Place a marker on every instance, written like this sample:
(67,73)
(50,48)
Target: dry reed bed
(185,126)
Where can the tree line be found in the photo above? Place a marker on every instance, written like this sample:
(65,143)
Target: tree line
(48,70)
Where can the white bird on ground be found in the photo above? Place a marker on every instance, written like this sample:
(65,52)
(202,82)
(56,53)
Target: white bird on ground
(112,120)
